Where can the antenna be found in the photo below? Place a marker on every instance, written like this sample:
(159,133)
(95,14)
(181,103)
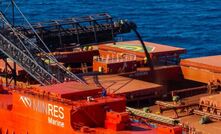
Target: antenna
(1,5)
(13,13)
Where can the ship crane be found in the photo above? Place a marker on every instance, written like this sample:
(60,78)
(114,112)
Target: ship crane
(80,31)
(35,61)
(76,31)
(30,46)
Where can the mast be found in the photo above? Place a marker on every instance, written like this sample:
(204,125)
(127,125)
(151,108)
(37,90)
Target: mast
(13,13)
(13,24)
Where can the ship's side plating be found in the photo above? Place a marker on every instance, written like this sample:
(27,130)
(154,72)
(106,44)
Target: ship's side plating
(42,114)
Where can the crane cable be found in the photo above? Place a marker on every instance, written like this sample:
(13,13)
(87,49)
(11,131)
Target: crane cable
(31,27)
(51,56)
(9,4)
(16,34)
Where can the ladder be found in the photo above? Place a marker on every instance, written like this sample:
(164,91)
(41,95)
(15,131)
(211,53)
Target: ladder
(35,61)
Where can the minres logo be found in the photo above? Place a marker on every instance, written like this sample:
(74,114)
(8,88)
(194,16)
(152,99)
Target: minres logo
(26,101)
(54,112)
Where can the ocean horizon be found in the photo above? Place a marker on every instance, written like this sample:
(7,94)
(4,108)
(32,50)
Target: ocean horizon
(191,24)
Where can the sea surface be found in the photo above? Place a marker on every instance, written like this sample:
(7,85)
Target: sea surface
(191,24)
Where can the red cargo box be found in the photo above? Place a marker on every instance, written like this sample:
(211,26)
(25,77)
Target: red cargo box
(202,69)
(114,126)
(71,90)
(76,56)
(132,88)
(135,47)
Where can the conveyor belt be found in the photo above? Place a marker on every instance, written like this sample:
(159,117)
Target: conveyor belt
(76,31)
(153,117)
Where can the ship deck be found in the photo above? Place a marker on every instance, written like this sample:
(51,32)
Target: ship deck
(202,69)
(135,128)
(71,90)
(135,47)
(192,120)
(132,88)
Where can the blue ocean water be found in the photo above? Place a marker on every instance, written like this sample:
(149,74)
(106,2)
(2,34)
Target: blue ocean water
(191,24)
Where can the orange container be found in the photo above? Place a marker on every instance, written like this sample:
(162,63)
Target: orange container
(114,126)
(169,130)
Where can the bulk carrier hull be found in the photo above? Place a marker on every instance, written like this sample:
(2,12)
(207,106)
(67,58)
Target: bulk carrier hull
(34,111)
(70,85)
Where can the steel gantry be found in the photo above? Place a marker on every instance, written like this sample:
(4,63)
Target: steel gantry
(76,31)
(34,60)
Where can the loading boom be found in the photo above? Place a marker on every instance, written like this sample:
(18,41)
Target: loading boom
(40,65)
